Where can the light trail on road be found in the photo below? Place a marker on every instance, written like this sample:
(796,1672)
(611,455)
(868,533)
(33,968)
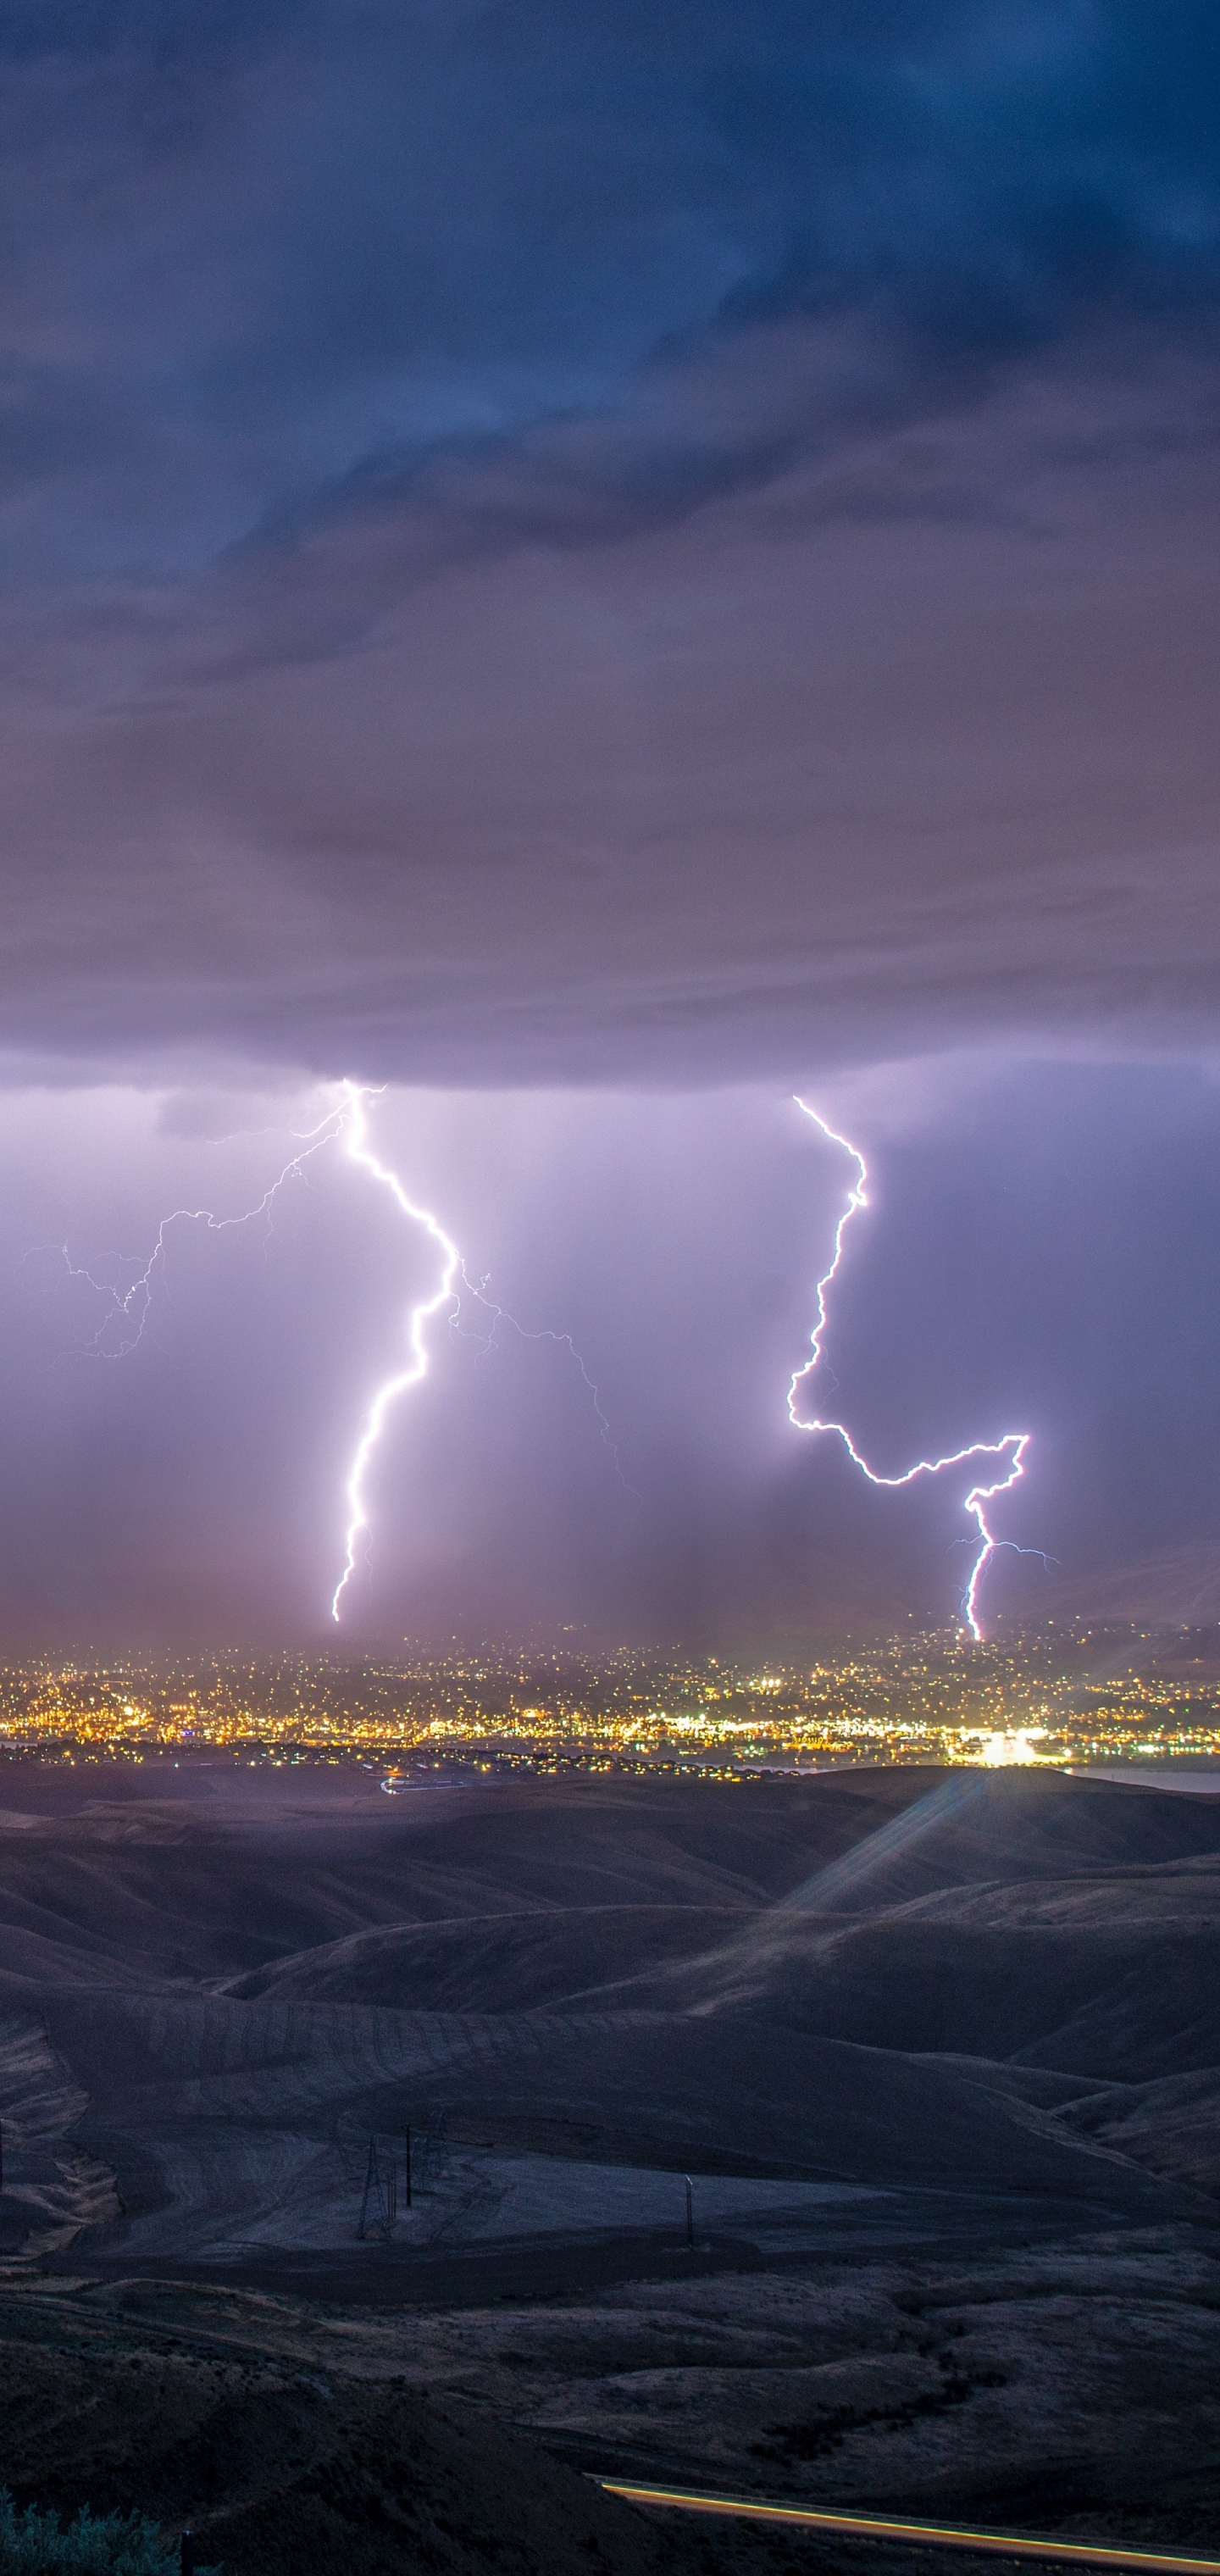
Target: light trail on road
(871,2526)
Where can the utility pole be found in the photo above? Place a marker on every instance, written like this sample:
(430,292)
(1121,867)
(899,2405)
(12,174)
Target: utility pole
(408,2168)
(690,2215)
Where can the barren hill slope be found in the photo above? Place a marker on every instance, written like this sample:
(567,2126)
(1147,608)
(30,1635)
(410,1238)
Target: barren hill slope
(900,1982)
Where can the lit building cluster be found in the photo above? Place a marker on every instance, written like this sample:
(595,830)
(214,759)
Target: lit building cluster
(1072,1696)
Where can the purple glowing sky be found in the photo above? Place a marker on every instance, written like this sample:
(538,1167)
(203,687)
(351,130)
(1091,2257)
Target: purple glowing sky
(1024,1225)
(598,573)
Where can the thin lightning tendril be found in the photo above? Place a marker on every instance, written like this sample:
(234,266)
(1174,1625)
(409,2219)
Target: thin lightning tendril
(131,1309)
(1010,1447)
(562,1341)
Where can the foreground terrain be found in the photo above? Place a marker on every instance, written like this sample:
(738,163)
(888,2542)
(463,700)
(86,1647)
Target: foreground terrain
(939,2052)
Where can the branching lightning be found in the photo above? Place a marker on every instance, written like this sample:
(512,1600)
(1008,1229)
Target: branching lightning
(1009,1449)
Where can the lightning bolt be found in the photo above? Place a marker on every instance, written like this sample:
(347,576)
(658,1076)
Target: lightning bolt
(1009,1449)
(420,1315)
(446,1293)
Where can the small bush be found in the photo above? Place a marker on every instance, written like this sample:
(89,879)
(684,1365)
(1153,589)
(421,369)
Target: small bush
(107,2544)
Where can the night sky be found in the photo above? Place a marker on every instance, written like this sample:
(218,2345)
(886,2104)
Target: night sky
(598,569)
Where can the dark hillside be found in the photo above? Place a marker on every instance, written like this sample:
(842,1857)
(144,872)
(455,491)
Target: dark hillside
(939,2052)
(836,1977)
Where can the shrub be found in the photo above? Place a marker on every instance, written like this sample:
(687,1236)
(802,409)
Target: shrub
(107,2544)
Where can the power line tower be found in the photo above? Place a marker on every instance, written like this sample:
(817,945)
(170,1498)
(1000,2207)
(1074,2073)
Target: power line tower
(435,2156)
(379,2207)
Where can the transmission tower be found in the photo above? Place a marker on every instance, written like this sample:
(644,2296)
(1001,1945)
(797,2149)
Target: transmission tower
(379,2207)
(435,2158)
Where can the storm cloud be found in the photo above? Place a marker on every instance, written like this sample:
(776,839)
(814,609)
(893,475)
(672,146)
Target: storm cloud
(660,548)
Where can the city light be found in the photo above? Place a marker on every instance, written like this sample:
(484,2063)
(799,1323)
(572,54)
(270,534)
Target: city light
(932,1699)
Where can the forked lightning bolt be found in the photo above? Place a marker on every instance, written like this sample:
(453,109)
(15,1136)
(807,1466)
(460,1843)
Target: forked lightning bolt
(1010,1447)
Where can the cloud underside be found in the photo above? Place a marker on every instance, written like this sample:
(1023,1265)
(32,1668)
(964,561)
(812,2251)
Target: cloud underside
(661,553)
(765,789)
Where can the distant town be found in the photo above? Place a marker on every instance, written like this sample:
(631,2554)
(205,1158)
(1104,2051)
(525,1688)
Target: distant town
(1065,1698)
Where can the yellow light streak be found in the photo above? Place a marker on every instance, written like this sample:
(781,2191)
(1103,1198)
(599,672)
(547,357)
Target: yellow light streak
(869,2526)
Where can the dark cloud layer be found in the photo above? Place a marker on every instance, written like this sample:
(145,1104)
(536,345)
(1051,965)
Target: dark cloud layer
(662,544)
